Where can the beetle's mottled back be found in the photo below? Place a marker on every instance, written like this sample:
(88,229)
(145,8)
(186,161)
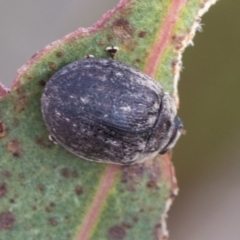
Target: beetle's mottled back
(104,110)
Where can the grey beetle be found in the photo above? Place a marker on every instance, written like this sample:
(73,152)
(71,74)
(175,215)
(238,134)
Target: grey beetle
(105,111)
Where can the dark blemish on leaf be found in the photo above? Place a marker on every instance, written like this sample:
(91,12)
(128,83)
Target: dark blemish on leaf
(142,34)
(42,83)
(122,28)
(59,54)
(177,42)
(6,174)
(65,173)
(15,148)
(34,208)
(40,142)
(40,187)
(126,225)
(135,219)
(43,142)
(52,66)
(53,222)
(6,220)
(74,174)
(141,210)
(50,207)
(152,184)
(20,90)
(11,200)
(117,233)
(3,129)
(174,62)
(34,55)
(157,231)
(78,190)
(52,204)
(21,104)
(3,190)
(29,77)
(137,60)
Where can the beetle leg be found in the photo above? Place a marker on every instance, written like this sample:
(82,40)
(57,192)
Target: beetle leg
(112,51)
(89,56)
(51,138)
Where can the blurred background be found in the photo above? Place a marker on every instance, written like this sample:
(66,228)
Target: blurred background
(207,157)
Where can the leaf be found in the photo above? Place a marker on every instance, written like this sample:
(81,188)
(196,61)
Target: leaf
(45,191)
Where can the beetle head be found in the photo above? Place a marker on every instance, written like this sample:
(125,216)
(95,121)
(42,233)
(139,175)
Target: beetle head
(176,133)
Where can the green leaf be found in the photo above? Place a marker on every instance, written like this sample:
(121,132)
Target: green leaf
(45,191)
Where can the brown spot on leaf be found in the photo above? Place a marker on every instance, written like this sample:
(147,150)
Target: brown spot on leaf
(50,207)
(6,220)
(122,28)
(59,54)
(117,233)
(15,148)
(52,204)
(78,190)
(21,104)
(177,41)
(42,83)
(135,219)
(6,174)
(11,200)
(40,187)
(20,90)
(141,210)
(142,34)
(3,129)
(65,173)
(152,184)
(53,222)
(52,66)
(3,190)
(34,55)
(43,142)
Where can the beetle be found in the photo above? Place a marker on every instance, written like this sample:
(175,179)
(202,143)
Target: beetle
(106,111)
